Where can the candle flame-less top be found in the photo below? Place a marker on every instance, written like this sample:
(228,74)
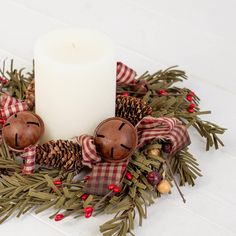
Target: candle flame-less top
(73,46)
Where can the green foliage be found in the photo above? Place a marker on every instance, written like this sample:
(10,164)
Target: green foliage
(175,103)
(37,192)
(18,80)
(186,166)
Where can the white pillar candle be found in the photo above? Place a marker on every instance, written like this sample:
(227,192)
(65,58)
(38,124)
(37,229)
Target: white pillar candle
(75,81)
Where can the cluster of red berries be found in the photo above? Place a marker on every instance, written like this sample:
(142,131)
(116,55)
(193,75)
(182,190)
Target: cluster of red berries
(114,188)
(162,92)
(88,211)
(191,106)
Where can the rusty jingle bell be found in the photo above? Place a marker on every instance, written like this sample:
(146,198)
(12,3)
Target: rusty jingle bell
(115,139)
(22,130)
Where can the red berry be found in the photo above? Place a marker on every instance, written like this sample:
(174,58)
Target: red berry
(191,93)
(125,94)
(59,217)
(88,209)
(57,182)
(86,178)
(129,176)
(191,106)
(84,196)
(162,92)
(3,80)
(189,98)
(166,147)
(88,215)
(116,190)
(153,178)
(111,186)
(190,110)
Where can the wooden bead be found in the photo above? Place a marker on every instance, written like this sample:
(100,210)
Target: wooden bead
(164,187)
(22,130)
(154,152)
(115,139)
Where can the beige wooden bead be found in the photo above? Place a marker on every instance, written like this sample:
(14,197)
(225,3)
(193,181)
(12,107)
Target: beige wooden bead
(164,187)
(154,152)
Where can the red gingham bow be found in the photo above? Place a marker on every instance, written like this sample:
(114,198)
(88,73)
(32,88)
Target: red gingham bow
(124,74)
(170,129)
(10,106)
(89,153)
(104,173)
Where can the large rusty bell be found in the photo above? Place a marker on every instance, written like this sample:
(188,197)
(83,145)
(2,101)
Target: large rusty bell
(115,139)
(22,130)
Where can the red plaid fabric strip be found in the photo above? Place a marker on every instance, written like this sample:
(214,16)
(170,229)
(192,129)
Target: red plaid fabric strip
(104,174)
(124,74)
(89,153)
(149,128)
(10,106)
(170,129)
(29,155)
(179,138)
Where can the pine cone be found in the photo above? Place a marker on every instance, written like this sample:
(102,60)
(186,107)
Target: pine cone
(30,95)
(131,108)
(61,154)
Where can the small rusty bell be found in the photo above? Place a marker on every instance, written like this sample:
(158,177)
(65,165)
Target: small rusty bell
(115,139)
(22,130)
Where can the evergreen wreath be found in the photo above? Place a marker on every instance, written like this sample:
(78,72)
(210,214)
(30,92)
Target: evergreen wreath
(150,173)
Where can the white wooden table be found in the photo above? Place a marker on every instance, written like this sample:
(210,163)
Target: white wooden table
(200,36)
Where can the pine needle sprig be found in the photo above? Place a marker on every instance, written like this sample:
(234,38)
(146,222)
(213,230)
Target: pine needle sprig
(18,81)
(210,132)
(175,103)
(186,167)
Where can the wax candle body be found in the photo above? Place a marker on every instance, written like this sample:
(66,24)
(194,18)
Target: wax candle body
(75,81)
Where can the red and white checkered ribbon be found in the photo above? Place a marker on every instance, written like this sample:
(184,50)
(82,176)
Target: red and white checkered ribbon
(124,74)
(10,106)
(103,173)
(170,129)
(29,155)
(89,153)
